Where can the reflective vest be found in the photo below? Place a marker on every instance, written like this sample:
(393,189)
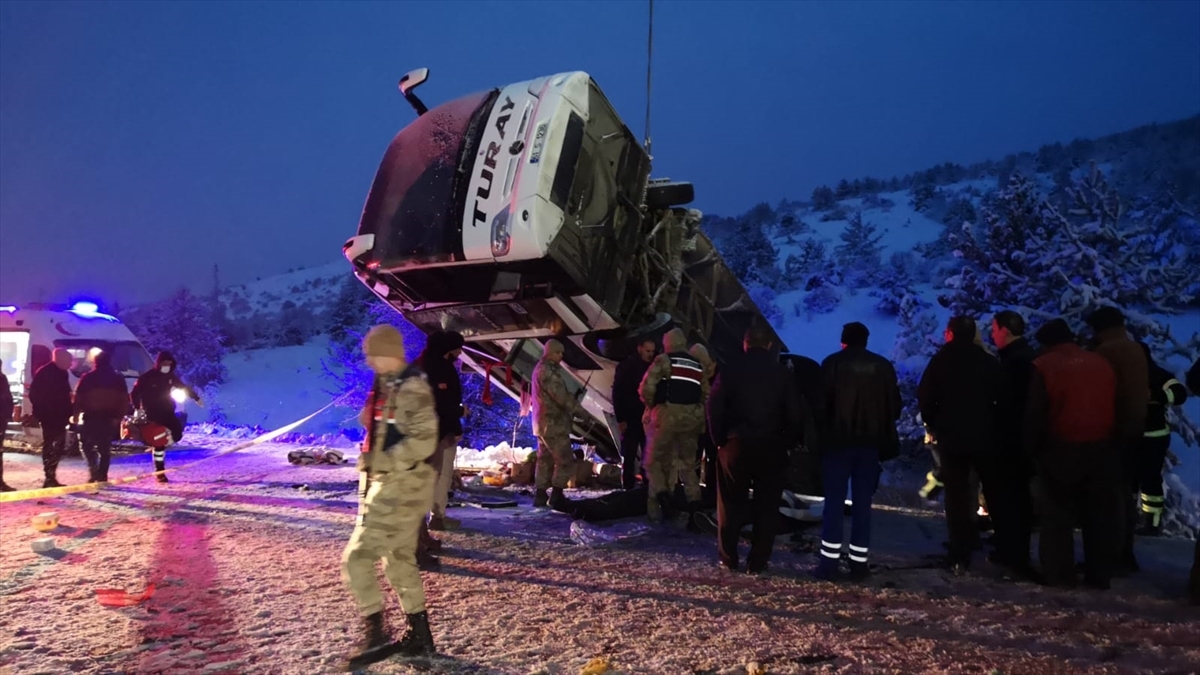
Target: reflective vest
(1171,393)
(683,387)
(381,414)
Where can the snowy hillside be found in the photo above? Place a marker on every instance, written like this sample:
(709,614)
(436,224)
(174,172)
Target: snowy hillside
(313,287)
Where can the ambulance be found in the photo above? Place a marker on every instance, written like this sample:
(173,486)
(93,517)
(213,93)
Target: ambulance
(30,333)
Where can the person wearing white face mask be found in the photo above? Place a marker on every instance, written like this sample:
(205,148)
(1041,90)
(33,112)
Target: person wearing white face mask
(152,393)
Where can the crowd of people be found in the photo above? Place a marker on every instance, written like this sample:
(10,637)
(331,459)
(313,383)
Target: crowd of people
(1063,435)
(1068,434)
(96,408)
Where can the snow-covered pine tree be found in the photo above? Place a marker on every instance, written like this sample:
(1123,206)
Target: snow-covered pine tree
(859,253)
(822,198)
(916,342)
(182,324)
(750,254)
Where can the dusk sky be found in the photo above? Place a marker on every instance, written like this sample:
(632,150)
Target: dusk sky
(142,142)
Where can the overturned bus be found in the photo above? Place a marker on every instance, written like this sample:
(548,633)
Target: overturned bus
(525,213)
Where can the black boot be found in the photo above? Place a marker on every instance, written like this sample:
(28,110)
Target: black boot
(664,502)
(428,562)
(50,468)
(417,640)
(374,644)
(540,499)
(558,501)
(4,487)
(161,465)
(102,468)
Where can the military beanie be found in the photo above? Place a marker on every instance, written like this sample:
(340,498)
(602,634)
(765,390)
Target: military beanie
(384,340)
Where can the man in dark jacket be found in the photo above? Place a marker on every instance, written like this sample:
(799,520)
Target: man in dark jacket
(103,399)
(1012,471)
(442,350)
(1069,424)
(752,413)
(50,395)
(860,408)
(152,393)
(7,405)
(1165,392)
(1133,400)
(958,396)
(628,409)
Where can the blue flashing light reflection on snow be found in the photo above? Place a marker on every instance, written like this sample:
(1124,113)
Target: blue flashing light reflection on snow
(90,310)
(8,309)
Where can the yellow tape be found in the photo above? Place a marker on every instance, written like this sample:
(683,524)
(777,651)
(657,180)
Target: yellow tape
(23,495)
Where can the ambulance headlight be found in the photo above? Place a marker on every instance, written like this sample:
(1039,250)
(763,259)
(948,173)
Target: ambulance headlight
(178,395)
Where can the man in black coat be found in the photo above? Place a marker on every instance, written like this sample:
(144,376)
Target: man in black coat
(859,412)
(7,405)
(958,396)
(442,350)
(50,395)
(628,409)
(103,399)
(752,413)
(1012,472)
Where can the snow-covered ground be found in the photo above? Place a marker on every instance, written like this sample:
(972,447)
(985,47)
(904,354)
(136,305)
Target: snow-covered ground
(243,552)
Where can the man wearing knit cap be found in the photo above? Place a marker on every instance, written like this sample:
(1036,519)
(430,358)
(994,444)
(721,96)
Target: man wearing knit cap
(554,410)
(395,493)
(1128,361)
(1069,422)
(674,391)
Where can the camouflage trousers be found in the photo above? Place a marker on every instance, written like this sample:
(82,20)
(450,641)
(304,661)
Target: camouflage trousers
(555,460)
(391,508)
(671,458)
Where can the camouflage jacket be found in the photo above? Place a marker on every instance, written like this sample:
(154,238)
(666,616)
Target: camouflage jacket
(670,415)
(553,406)
(402,427)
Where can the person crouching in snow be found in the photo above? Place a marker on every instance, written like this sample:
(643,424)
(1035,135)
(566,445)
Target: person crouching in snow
(152,393)
(396,492)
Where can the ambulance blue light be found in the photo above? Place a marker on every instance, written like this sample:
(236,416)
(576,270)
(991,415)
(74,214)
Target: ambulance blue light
(90,310)
(8,309)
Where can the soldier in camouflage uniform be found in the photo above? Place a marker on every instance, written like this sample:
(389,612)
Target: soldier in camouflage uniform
(395,492)
(674,392)
(554,408)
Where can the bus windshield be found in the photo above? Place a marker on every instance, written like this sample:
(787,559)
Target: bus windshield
(414,208)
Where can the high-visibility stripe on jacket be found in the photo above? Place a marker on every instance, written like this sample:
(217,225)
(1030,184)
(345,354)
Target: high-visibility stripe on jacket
(686,374)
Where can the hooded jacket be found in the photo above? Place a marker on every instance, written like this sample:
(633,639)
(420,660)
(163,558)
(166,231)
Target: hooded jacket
(554,407)
(152,391)
(444,380)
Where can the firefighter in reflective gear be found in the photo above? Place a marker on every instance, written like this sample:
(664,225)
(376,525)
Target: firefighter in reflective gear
(554,410)
(1165,391)
(395,493)
(674,392)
